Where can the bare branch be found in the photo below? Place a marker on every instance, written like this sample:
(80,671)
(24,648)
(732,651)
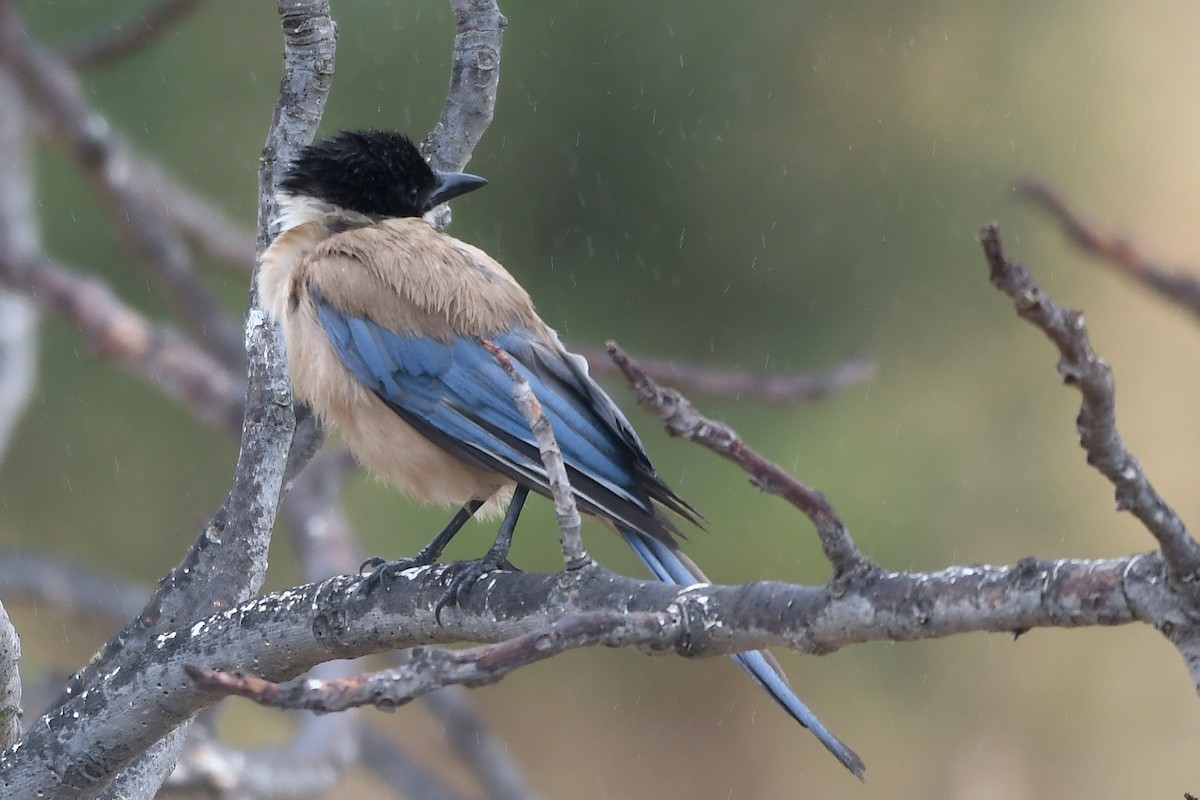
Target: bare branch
(54,91)
(565,510)
(117,333)
(789,389)
(474,79)
(424,669)
(683,420)
(10,682)
(1174,285)
(331,620)
(1079,366)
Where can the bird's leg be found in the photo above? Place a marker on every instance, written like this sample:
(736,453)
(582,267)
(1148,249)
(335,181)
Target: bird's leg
(382,571)
(465,573)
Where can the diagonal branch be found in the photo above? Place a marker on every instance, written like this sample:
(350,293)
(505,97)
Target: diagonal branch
(683,420)
(1079,366)
(1175,285)
(54,91)
(117,333)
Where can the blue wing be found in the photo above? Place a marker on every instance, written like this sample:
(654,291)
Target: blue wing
(457,395)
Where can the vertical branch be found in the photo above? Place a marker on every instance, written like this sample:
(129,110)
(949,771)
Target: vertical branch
(474,79)
(10,682)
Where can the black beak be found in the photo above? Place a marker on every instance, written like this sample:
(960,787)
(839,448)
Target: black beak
(449,185)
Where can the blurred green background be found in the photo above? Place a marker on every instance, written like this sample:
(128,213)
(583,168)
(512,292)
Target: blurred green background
(769,185)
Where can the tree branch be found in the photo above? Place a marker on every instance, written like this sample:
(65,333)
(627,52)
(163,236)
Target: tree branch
(683,420)
(54,91)
(159,354)
(1079,366)
(1176,286)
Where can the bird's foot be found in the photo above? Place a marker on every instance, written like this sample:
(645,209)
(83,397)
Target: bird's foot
(462,575)
(378,572)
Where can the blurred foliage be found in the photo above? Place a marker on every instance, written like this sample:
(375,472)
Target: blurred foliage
(771,185)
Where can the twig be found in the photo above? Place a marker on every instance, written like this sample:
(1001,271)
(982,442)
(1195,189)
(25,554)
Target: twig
(1175,285)
(424,669)
(787,389)
(55,92)
(683,420)
(127,37)
(1079,366)
(565,510)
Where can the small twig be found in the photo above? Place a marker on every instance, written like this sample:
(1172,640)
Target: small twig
(1079,366)
(683,420)
(565,510)
(424,669)
(1175,285)
(127,37)
(786,389)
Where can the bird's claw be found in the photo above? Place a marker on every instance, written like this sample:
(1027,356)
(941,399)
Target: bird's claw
(462,575)
(378,572)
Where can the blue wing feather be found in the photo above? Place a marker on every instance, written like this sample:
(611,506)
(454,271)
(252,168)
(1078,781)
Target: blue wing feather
(458,395)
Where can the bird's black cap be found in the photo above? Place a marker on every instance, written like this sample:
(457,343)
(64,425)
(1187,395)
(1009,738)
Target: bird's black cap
(376,173)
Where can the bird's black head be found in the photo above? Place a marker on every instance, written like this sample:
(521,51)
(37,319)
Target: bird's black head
(376,173)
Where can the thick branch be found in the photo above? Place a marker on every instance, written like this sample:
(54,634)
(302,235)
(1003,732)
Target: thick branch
(474,79)
(1079,366)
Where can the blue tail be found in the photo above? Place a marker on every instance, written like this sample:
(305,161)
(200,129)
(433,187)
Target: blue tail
(669,568)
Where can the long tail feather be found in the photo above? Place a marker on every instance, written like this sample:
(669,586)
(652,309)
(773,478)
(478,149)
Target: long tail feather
(670,566)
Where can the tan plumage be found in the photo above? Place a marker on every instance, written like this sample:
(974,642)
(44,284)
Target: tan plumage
(406,276)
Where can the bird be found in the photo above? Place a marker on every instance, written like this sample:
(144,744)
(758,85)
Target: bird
(386,320)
